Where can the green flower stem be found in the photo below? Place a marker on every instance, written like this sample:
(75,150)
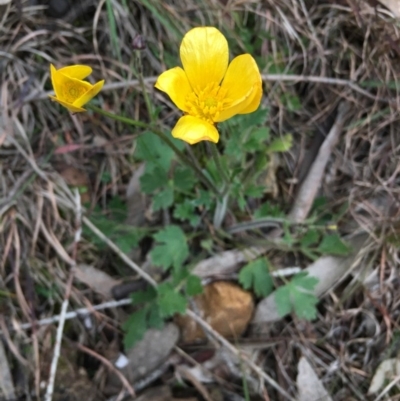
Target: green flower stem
(164,138)
(222,203)
(186,160)
(139,74)
(217,160)
(116,117)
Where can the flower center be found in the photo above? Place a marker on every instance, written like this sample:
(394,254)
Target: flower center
(72,91)
(207,103)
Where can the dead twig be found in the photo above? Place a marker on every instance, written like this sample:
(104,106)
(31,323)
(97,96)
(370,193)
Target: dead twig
(323,80)
(37,95)
(110,366)
(70,315)
(312,182)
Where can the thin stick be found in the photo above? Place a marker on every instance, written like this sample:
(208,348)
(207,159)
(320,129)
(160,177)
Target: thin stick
(265,77)
(71,314)
(57,346)
(322,80)
(65,304)
(110,366)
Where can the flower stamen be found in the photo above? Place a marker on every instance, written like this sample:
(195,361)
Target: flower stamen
(207,103)
(73,91)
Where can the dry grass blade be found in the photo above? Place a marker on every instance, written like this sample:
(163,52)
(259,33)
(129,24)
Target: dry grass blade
(110,366)
(7,390)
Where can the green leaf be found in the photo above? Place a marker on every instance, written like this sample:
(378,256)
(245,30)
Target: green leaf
(282,144)
(135,328)
(233,147)
(178,277)
(110,222)
(259,117)
(172,248)
(296,295)
(204,199)
(305,305)
(142,297)
(268,210)
(186,211)
(151,149)
(287,236)
(118,209)
(261,163)
(154,319)
(332,244)
(394,239)
(303,280)
(193,285)
(207,244)
(310,254)
(184,178)
(292,102)
(310,238)
(255,191)
(283,301)
(276,64)
(164,199)
(213,172)
(170,301)
(256,139)
(153,179)
(126,240)
(256,275)
(106,177)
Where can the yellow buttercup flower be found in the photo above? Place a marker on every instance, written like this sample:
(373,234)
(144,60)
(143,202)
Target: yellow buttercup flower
(70,89)
(207,89)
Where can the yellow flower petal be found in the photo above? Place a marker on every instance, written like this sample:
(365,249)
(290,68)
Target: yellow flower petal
(254,100)
(242,84)
(69,89)
(54,76)
(91,93)
(69,106)
(192,130)
(76,71)
(204,54)
(175,84)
